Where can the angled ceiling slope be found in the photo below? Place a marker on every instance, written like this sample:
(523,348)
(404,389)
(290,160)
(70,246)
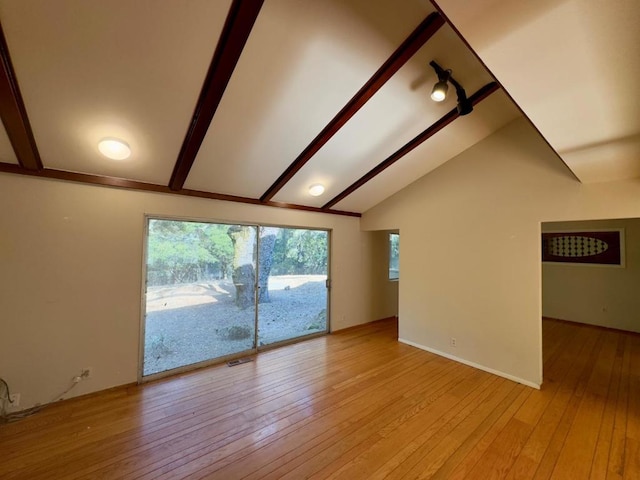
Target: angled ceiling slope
(578,85)
(236,100)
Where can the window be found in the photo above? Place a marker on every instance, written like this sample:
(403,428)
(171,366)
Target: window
(394,256)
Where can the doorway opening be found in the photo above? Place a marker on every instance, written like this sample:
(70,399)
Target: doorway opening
(590,274)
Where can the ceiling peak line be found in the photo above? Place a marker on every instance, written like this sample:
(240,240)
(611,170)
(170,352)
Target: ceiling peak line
(423,32)
(474,99)
(116,182)
(439,9)
(235,33)
(14,114)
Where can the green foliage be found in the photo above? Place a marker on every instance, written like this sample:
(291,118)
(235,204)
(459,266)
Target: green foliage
(180,252)
(394,255)
(220,246)
(299,251)
(394,243)
(319,322)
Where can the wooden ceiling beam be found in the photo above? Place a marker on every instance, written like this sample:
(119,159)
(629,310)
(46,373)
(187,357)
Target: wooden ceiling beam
(476,98)
(403,53)
(124,183)
(14,114)
(240,19)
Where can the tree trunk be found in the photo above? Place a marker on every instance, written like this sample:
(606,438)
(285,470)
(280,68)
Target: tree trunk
(244,275)
(265,259)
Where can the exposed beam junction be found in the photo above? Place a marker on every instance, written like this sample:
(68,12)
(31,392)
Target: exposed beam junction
(403,53)
(476,98)
(123,183)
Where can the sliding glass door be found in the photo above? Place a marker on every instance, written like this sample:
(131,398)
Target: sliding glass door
(218,290)
(200,289)
(294,300)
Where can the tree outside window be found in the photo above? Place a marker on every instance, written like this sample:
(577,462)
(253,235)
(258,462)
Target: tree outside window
(394,256)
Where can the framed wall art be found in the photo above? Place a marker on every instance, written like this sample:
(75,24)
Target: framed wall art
(602,247)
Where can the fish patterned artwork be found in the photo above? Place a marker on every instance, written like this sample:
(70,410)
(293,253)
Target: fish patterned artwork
(602,248)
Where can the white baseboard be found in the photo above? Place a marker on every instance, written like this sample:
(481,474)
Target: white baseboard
(471,364)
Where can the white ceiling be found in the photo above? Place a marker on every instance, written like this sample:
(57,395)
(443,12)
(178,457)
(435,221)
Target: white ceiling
(490,115)
(399,112)
(573,67)
(134,70)
(116,68)
(303,62)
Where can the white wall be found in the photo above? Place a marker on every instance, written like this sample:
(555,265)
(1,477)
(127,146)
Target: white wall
(598,295)
(470,260)
(71,273)
(384,292)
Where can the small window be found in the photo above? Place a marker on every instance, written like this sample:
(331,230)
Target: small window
(394,256)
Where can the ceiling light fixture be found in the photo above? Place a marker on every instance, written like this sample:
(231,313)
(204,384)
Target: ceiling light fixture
(316,189)
(439,92)
(114,148)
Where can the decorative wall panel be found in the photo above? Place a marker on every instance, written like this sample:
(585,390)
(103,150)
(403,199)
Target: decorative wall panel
(603,247)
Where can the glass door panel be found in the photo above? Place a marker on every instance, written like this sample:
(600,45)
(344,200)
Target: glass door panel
(293,266)
(200,293)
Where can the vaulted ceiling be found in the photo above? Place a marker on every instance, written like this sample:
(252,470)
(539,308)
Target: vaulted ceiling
(255,101)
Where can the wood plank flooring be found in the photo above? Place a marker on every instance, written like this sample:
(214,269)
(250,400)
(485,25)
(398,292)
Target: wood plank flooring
(352,405)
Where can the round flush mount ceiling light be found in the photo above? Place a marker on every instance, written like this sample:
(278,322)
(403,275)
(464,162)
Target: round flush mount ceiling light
(114,148)
(316,189)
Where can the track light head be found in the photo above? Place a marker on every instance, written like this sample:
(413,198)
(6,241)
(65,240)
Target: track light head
(439,92)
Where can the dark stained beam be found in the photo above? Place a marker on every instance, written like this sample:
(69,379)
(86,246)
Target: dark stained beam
(13,113)
(150,187)
(476,98)
(404,52)
(240,19)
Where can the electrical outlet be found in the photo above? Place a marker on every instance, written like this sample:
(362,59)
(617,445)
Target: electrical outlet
(14,398)
(453,342)
(86,373)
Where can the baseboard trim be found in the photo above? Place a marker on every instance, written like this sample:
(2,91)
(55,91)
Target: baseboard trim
(471,364)
(361,325)
(592,325)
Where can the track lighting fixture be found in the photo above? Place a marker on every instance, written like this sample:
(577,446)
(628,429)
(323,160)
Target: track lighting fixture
(464,105)
(439,92)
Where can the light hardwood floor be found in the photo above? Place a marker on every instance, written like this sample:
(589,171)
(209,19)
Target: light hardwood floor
(353,405)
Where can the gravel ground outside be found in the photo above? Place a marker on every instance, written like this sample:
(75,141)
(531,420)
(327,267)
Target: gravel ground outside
(190,323)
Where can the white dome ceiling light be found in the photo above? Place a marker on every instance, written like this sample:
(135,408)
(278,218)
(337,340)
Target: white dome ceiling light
(114,148)
(316,190)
